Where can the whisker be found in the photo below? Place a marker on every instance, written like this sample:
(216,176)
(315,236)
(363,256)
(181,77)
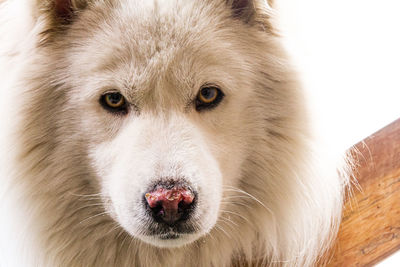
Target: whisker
(237,214)
(228,221)
(89,195)
(87,206)
(234,189)
(125,238)
(94,216)
(236,197)
(211,236)
(116,226)
(218,227)
(236,203)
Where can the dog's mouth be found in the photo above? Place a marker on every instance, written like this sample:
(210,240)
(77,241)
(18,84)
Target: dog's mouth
(169,236)
(171,239)
(157,229)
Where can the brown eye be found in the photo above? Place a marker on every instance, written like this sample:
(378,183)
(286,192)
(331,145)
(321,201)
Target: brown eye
(208,97)
(114,102)
(208,94)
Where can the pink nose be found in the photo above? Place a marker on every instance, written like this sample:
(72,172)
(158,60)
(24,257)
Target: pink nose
(169,204)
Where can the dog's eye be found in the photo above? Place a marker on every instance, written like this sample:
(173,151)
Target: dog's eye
(208,97)
(114,102)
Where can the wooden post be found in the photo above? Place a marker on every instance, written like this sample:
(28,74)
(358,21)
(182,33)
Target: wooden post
(370,228)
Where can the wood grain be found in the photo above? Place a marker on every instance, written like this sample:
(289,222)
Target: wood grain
(370,229)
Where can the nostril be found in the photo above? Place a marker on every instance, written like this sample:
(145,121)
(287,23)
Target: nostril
(170,205)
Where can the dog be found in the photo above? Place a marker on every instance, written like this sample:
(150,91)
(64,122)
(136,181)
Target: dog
(158,133)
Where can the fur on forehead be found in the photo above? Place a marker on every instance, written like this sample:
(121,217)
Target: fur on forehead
(59,13)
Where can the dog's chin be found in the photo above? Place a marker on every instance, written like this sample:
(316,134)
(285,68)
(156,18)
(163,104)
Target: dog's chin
(170,240)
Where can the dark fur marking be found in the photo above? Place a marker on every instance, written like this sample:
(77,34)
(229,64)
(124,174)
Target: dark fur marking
(243,9)
(63,8)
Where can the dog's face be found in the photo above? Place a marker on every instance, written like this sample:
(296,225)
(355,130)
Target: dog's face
(184,117)
(161,93)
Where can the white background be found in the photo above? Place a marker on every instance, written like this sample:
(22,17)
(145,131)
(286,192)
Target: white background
(349,54)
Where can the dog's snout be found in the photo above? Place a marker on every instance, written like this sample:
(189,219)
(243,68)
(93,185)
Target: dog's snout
(170,205)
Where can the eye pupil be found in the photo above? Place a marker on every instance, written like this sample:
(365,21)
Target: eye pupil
(208,93)
(114,98)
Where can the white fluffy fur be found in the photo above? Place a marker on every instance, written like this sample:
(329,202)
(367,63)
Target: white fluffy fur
(72,174)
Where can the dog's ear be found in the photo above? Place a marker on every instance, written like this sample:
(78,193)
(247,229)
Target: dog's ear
(56,16)
(61,11)
(243,9)
(63,8)
(252,11)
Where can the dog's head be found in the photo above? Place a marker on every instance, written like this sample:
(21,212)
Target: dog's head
(168,97)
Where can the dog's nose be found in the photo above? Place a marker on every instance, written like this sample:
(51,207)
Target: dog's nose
(169,205)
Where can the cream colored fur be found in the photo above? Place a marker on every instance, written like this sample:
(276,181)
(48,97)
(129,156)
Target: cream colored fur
(73,173)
